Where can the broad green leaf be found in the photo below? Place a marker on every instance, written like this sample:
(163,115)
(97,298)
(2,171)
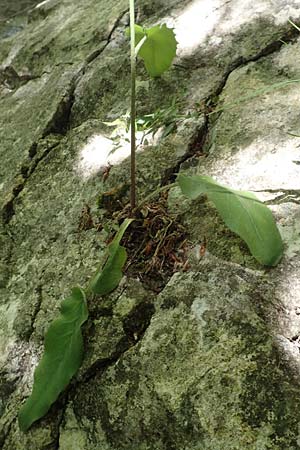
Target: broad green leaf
(243,213)
(109,277)
(140,33)
(61,359)
(159,48)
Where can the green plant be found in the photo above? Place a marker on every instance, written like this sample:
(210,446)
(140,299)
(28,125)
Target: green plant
(242,212)
(157,47)
(61,360)
(63,341)
(163,118)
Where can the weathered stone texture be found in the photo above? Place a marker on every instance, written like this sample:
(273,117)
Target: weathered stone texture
(212,361)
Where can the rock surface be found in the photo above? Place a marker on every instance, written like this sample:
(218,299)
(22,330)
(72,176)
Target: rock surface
(211,361)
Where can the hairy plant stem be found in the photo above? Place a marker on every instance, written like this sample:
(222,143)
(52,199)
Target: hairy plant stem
(133,108)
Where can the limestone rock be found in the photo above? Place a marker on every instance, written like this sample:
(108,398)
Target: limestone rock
(212,361)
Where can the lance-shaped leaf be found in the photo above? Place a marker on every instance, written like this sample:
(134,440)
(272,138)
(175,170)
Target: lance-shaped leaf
(107,279)
(61,359)
(243,213)
(158,49)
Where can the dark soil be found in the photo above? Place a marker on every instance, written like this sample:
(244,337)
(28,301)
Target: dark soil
(156,245)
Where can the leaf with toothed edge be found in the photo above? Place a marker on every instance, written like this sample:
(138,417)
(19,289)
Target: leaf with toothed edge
(158,49)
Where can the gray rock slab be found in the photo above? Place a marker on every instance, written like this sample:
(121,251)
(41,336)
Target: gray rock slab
(252,144)
(198,377)
(212,362)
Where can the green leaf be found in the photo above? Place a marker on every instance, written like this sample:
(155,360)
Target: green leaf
(243,213)
(140,33)
(109,277)
(61,359)
(159,48)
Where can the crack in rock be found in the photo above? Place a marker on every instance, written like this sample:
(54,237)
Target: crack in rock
(195,146)
(27,332)
(197,142)
(135,326)
(288,37)
(12,80)
(286,196)
(8,208)
(134,322)
(4,434)
(6,251)
(56,442)
(59,124)
(99,51)
(26,170)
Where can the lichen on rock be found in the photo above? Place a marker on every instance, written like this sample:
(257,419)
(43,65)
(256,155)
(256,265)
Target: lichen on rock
(211,361)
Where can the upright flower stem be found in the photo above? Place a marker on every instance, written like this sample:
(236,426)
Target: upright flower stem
(133,108)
